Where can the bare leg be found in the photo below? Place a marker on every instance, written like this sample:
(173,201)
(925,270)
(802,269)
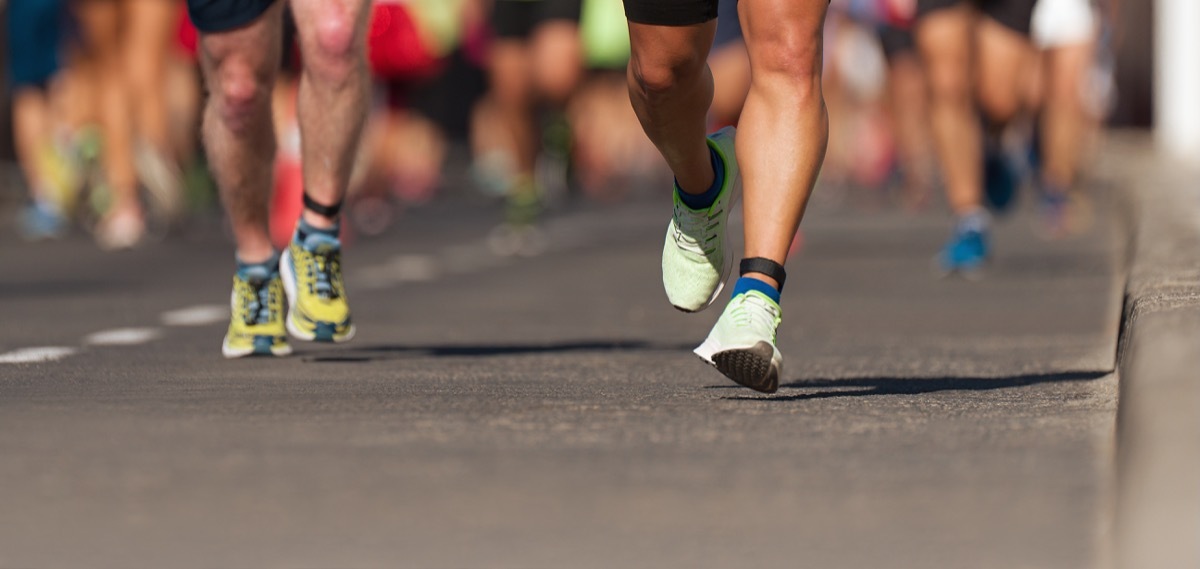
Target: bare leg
(1064,122)
(146,47)
(784,127)
(334,92)
(944,40)
(910,122)
(511,99)
(100,22)
(31,132)
(1003,56)
(239,70)
(557,53)
(671,88)
(731,79)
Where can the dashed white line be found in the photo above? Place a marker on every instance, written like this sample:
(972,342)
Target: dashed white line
(200,315)
(122,337)
(35,355)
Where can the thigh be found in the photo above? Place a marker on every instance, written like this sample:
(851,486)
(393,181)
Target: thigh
(255,47)
(671,12)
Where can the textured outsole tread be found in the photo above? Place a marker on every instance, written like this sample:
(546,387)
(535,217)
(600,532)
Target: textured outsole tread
(750,367)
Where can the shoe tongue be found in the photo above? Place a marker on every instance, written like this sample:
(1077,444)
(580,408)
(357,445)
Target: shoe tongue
(255,274)
(321,243)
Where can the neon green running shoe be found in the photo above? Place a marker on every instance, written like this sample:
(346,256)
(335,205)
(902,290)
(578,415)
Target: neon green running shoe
(742,344)
(256,327)
(695,261)
(312,277)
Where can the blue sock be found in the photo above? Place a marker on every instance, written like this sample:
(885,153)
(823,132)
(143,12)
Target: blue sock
(709,197)
(747,284)
(258,271)
(304,229)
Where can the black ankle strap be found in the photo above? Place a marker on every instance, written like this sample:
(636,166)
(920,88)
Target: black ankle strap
(766,267)
(330,211)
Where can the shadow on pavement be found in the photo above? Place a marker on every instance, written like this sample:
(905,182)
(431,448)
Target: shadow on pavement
(390,352)
(830,388)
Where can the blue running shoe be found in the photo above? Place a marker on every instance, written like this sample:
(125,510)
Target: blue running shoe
(965,253)
(40,221)
(1000,179)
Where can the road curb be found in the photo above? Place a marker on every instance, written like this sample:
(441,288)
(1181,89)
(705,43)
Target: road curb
(1158,418)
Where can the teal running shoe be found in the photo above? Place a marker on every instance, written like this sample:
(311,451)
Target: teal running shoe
(696,262)
(965,254)
(742,344)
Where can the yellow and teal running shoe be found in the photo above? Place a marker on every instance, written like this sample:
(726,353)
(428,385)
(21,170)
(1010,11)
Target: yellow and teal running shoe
(742,344)
(256,327)
(695,261)
(312,276)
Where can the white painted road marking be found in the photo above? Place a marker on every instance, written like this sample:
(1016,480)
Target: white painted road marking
(200,315)
(34,355)
(122,337)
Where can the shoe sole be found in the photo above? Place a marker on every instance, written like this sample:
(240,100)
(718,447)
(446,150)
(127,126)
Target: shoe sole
(753,367)
(231,353)
(289,290)
(727,261)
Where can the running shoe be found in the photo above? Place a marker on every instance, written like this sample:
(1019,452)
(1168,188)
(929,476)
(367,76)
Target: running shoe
(695,261)
(1000,178)
(312,277)
(256,326)
(1054,220)
(40,221)
(742,344)
(965,253)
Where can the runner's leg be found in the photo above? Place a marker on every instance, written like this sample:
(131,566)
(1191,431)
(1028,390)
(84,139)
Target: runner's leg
(671,88)
(784,128)
(239,69)
(334,94)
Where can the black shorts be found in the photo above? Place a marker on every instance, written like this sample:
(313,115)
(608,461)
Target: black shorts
(671,12)
(1016,15)
(516,19)
(210,16)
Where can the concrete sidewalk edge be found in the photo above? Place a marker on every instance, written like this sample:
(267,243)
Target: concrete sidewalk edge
(1157,507)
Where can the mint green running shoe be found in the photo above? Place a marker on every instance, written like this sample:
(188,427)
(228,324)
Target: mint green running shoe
(742,344)
(695,261)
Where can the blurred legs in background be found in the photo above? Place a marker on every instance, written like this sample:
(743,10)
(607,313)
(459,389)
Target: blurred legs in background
(102,61)
(536,60)
(973,57)
(1065,33)
(33,45)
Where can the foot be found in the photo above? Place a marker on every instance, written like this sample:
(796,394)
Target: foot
(1000,178)
(256,327)
(966,252)
(120,230)
(742,344)
(311,268)
(695,261)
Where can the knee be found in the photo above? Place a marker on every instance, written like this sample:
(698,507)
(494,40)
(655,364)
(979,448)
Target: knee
(659,75)
(949,83)
(336,52)
(241,95)
(787,61)
(999,103)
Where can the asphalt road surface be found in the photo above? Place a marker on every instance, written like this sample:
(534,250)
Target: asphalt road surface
(546,411)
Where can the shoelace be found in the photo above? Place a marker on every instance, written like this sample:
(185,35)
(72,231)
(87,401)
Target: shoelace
(322,265)
(258,303)
(695,230)
(750,310)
